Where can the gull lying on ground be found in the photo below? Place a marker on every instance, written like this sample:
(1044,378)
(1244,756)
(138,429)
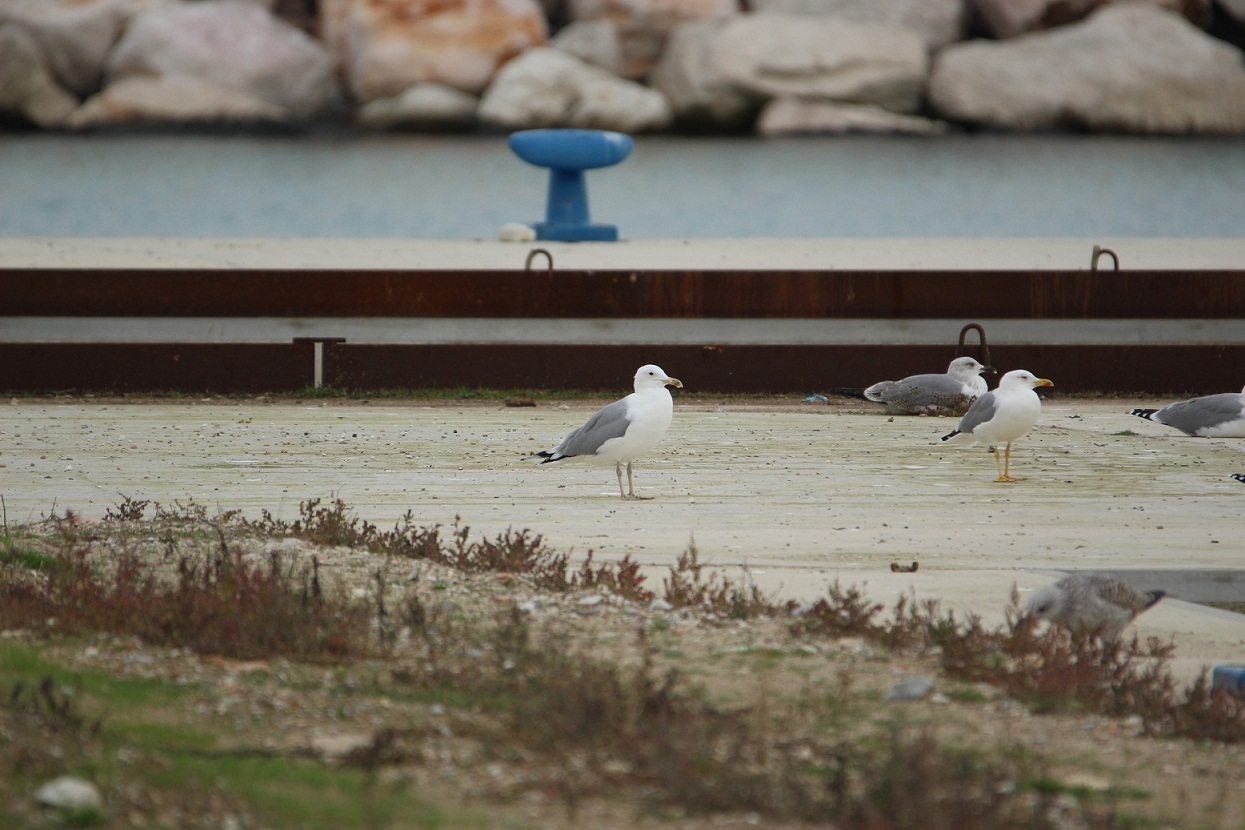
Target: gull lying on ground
(625,429)
(950,393)
(1212,416)
(1001,416)
(1091,603)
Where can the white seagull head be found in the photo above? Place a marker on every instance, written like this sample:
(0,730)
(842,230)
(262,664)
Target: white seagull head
(649,376)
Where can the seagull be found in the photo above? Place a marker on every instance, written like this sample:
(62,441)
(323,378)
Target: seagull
(1091,603)
(1211,416)
(946,394)
(1001,416)
(624,430)
(1239,476)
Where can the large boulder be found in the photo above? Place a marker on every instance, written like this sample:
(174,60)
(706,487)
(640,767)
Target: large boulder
(1235,9)
(722,71)
(644,25)
(1008,18)
(385,46)
(939,22)
(75,35)
(545,87)
(793,116)
(158,100)
(692,78)
(27,88)
(232,44)
(421,107)
(1128,68)
(596,42)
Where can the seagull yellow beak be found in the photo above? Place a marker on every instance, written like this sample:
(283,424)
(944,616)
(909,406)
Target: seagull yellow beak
(679,383)
(1043,382)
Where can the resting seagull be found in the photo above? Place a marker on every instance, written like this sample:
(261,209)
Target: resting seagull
(624,430)
(946,394)
(1212,416)
(1091,603)
(1001,416)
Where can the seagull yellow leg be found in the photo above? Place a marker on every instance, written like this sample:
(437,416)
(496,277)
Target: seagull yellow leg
(630,488)
(998,465)
(1007,465)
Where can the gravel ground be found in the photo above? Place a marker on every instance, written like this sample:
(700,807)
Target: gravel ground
(799,495)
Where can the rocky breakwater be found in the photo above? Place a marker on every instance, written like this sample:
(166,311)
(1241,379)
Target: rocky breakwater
(769,66)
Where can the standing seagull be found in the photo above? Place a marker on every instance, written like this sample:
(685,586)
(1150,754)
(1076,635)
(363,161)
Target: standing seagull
(1212,416)
(1091,603)
(1001,416)
(933,394)
(625,429)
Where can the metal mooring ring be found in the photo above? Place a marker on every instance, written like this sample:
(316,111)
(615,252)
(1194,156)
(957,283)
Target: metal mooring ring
(1099,251)
(527,266)
(981,336)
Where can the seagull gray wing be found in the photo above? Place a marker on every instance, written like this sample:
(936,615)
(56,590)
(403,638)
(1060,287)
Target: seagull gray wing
(1198,414)
(982,410)
(609,422)
(926,393)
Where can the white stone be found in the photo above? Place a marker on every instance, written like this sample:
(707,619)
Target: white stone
(794,116)
(1234,9)
(644,25)
(516,232)
(1130,68)
(75,35)
(171,99)
(27,87)
(695,83)
(69,793)
(1009,18)
(232,44)
(386,46)
(726,71)
(595,42)
(422,106)
(544,87)
(939,22)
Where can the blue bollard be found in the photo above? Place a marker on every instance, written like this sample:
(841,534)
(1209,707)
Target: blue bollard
(567,154)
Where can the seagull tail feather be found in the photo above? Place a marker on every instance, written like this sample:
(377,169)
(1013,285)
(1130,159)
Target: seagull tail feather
(1155,596)
(951,435)
(1143,413)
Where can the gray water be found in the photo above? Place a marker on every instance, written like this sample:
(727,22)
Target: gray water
(467,187)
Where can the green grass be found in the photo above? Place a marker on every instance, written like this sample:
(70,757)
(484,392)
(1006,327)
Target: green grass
(146,744)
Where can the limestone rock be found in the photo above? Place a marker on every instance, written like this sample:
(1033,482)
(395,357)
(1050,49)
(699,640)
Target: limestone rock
(595,42)
(171,99)
(723,70)
(75,35)
(939,22)
(27,88)
(644,25)
(232,44)
(421,107)
(1128,68)
(385,46)
(1234,9)
(545,87)
(793,116)
(69,793)
(694,81)
(1008,18)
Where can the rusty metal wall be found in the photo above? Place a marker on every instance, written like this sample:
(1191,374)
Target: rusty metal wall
(508,295)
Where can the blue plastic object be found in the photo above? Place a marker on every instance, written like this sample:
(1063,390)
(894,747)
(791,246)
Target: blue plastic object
(567,154)
(1229,678)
